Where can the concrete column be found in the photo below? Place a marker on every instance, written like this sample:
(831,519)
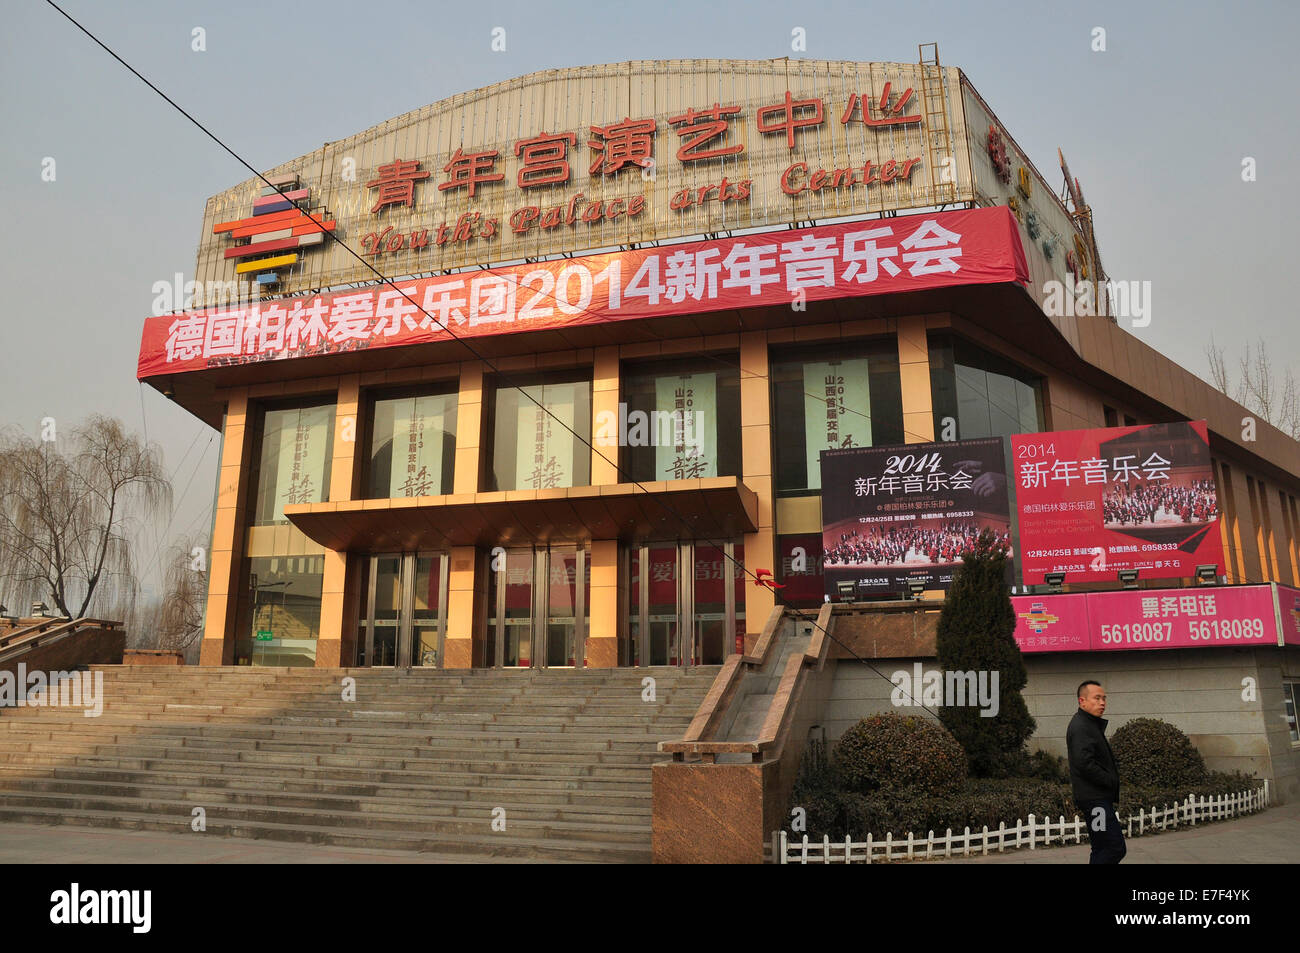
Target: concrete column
(1225,519)
(756,470)
(469,426)
(914,376)
(604,408)
(336,645)
(458,646)
(218,646)
(602,636)
(1231,510)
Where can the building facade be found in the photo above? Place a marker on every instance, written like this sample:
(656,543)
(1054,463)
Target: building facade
(626,307)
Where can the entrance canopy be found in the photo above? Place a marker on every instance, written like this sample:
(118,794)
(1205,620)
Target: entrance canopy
(718,508)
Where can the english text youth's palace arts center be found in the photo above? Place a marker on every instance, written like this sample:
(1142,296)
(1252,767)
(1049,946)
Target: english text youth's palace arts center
(669,347)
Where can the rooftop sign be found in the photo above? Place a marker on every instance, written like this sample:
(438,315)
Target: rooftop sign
(563,161)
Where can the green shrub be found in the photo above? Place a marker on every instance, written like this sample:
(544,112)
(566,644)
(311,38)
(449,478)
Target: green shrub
(1153,753)
(899,753)
(976,633)
(1045,766)
(1133,798)
(976,803)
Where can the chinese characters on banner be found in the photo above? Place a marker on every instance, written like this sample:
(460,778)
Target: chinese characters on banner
(300,472)
(1093,502)
(975,246)
(544,451)
(688,448)
(418,435)
(894,514)
(836,409)
(1233,616)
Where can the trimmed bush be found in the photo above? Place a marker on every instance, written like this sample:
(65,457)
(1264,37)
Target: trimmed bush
(1153,753)
(1134,798)
(1045,766)
(976,633)
(979,802)
(900,754)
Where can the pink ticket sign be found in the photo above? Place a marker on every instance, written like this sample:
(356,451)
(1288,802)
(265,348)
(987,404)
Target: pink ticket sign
(1182,618)
(1157,619)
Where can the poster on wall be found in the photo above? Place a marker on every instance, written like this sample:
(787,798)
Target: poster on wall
(304,439)
(1094,502)
(837,409)
(418,434)
(895,514)
(686,441)
(544,455)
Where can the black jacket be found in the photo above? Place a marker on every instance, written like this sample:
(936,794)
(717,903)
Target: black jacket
(1093,774)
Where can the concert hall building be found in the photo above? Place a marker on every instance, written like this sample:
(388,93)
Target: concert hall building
(628,307)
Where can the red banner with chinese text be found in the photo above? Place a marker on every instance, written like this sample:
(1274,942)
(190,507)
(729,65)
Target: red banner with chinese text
(879,256)
(1094,502)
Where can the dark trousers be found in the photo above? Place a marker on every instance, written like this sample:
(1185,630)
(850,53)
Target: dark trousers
(1107,843)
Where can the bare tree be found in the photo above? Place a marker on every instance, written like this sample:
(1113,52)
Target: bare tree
(68,511)
(185,590)
(1259,387)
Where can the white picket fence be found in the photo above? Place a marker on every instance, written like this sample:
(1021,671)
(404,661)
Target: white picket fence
(1029,833)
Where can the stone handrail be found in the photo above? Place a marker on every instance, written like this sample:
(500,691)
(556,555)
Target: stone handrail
(49,630)
(695,741)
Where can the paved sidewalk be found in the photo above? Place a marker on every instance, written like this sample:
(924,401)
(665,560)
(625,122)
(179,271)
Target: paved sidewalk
(1269,837)
(65,844)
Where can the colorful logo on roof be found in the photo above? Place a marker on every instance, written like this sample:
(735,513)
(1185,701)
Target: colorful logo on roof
(1038,618)
(273,238)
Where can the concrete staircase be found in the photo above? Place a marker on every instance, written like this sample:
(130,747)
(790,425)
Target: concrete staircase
(420,761)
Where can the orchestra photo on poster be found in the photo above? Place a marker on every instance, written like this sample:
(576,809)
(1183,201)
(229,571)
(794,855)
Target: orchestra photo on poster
(894,515)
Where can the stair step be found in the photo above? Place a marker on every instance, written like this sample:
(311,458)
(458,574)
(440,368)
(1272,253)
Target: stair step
(418,762)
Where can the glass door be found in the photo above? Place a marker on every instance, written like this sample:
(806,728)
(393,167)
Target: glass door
(385,610)
(567,599)
(719,608)
(683,618)
(427,616)
(538,626)
(404,616)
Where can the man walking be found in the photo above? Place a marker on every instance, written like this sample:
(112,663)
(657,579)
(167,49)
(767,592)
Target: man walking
(1094,776)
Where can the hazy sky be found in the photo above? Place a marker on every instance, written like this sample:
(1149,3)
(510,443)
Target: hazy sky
(1155,128)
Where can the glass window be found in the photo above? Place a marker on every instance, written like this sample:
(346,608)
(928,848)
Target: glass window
(293,460)
(284,609)
(986,395)
(412,445)
(1290,691)
(683,419)
(534,448)
(848,395)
